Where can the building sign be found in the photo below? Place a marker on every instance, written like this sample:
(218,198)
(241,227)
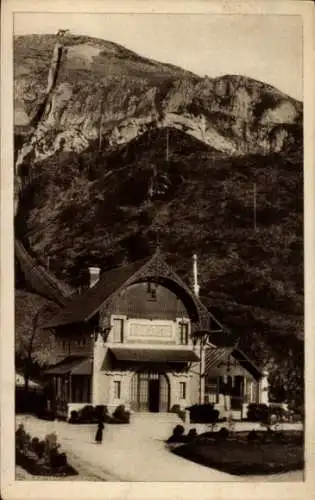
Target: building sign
(150,330)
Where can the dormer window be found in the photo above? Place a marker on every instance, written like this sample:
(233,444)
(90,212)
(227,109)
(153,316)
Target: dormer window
(151,290)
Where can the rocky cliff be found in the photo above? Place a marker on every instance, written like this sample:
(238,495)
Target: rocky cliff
(78,90)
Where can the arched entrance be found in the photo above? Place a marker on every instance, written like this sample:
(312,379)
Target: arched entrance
(149,391)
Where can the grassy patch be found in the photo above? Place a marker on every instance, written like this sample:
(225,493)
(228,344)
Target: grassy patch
(236,455)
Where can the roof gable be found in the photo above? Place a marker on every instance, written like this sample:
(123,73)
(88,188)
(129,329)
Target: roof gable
(84,306)
(219,356)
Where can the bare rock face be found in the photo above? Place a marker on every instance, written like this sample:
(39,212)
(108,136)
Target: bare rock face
(284,112)
(78,90)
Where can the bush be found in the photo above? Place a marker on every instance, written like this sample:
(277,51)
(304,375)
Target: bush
(175,409)
(279,414)
(90,415)
(27,441)
(203,413)
(120,415)
(41,457)
(87,413)
(34,444)
(40,449)
(20,437)
(258,413)
(179,430)
(100,412)
(51,445)
(178,435)
(192,434)
(74,416)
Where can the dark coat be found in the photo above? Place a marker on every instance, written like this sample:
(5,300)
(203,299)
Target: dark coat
(99,432)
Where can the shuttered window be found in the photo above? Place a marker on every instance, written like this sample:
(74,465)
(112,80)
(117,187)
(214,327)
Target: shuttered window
(182,390)
(118,330)
(117,389)
(183,333)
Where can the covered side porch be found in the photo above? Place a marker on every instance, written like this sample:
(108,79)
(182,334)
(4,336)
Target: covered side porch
(233,381)
(69,385)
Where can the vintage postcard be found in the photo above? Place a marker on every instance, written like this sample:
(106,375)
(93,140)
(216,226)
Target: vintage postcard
(157,190)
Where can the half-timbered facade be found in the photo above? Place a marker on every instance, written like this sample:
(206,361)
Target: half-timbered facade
(137,337)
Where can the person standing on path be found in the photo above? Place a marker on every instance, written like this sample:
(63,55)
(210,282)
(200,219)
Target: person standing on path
(99,432)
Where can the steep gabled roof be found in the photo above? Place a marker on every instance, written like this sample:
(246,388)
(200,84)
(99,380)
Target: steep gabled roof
(39,279)
(215,355)
(83,307)
(75,365)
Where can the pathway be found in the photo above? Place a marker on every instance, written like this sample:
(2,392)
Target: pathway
(134,452)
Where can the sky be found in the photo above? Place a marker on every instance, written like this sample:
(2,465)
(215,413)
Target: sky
(264,47)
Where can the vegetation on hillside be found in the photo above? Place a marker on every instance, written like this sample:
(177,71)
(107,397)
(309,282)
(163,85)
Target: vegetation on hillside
(106,208)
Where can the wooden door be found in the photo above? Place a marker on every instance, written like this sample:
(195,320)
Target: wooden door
(164,394)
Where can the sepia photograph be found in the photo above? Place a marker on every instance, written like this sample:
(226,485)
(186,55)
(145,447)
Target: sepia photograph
(158,253)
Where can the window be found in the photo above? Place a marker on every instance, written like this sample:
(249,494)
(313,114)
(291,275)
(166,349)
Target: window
(80,389)
(151,289)
(212,389)
(182,390)
(118,330)
(117,389)
(183,333)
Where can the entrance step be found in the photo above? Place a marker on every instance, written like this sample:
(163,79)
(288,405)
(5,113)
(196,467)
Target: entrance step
(157,418)
(236,414)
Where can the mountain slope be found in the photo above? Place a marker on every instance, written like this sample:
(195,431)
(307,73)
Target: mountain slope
(108,207)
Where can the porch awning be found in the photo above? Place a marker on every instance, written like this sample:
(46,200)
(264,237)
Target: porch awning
(155,355)
(72,366)
(215,355)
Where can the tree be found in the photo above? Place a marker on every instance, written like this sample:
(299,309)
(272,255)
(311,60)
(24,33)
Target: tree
(33,344)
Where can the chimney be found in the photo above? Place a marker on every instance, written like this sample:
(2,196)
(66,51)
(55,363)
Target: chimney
(196,287)
(94,275)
